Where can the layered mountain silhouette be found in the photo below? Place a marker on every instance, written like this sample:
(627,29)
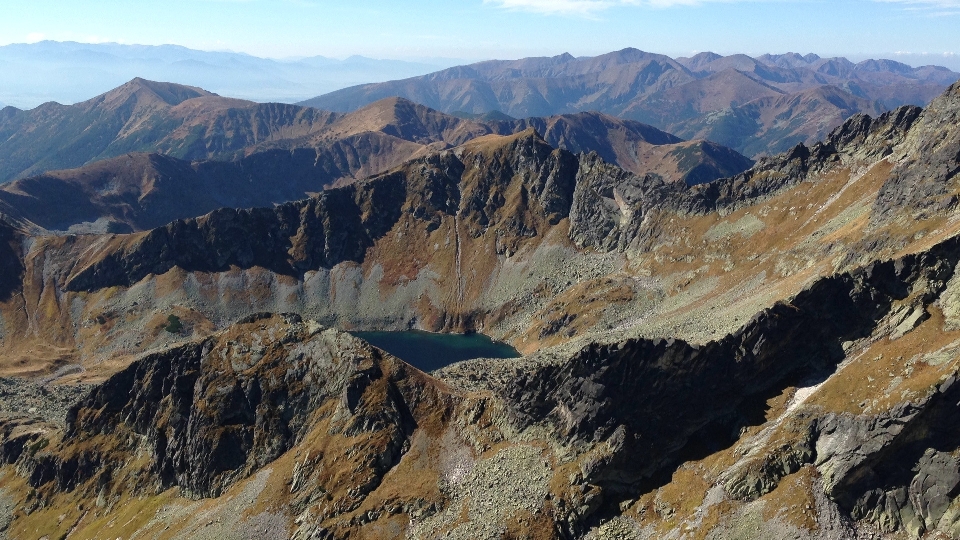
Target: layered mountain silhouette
(756,105)
(147,153)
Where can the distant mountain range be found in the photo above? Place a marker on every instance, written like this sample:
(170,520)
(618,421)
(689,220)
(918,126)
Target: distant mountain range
(147,153)
(758,105)
(68,72)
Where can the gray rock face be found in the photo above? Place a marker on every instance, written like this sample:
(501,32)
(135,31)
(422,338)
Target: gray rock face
(900,470)
(921,182)
(747,483)
(609,204)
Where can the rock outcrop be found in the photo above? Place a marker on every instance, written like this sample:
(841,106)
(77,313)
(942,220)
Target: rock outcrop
(920,183)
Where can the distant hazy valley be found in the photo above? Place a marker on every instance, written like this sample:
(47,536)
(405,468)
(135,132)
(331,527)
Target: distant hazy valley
(69,72)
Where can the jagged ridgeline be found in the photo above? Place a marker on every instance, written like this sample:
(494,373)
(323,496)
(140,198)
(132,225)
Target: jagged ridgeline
(769,355)
(758,106)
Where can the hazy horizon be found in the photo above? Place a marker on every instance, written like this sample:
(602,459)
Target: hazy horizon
(70,72)
(483,29)
(906,57)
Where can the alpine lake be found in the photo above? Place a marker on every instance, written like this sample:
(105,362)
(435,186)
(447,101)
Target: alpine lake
(428,351)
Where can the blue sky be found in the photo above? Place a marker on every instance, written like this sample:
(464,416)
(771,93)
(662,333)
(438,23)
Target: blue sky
(478,29)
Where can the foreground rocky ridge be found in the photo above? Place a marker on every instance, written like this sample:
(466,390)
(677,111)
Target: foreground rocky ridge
(771,355)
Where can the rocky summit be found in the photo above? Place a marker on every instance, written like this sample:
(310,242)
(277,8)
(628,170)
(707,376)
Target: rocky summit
(773,354)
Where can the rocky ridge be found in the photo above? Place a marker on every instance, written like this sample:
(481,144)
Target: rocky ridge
(605,206)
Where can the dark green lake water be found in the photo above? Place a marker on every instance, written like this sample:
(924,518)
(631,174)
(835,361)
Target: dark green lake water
(428,351)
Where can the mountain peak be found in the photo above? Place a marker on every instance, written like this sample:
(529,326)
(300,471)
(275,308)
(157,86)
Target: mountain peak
(388,110)
(789,60)
(630,54)
(700,59)
(882,65)
(148,92)
(492,143)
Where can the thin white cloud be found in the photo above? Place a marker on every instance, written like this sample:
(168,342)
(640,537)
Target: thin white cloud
(947,54)
(930,3)
(34,37)
(583,7)
(932,8)
(591,7)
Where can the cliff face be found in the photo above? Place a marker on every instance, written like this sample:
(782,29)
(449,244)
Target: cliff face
(771,355)
(11,267)
(921,183)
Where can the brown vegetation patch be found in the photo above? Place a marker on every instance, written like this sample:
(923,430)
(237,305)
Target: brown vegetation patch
(793,500)
(525,525)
